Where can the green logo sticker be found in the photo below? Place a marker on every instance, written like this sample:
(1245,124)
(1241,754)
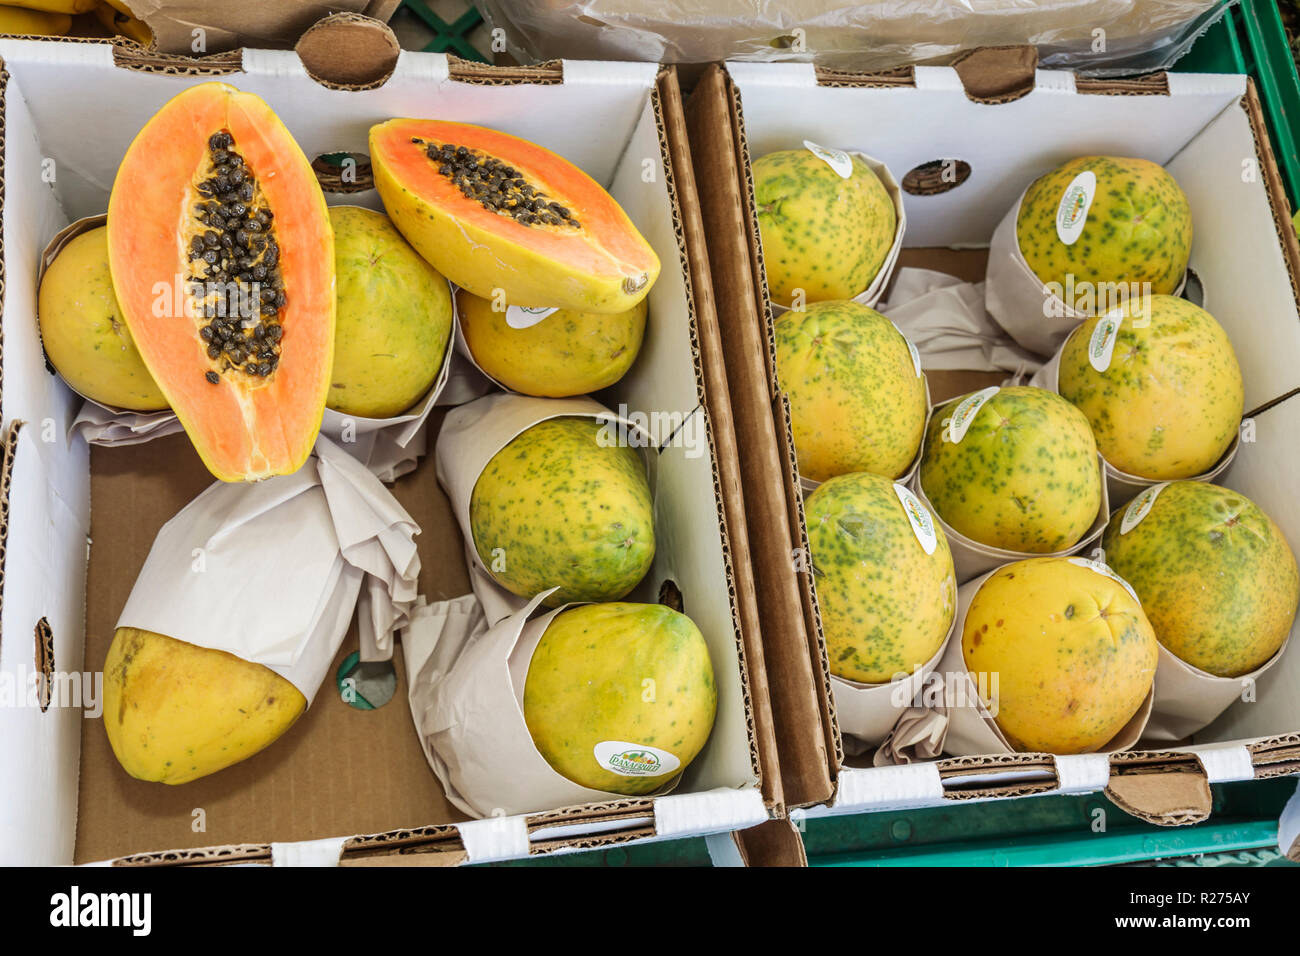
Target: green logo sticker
(1139,507)
(836,159)
(634,760)
(955,426)
(1072,213)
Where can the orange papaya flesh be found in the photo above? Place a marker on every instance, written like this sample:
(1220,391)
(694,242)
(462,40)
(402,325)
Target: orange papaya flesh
(222,257)
(509,220)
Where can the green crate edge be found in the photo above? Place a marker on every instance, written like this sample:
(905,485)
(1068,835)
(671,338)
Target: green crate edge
(1250,39)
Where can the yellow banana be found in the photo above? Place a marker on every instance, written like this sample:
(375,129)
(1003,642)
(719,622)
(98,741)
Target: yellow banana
(15,20)
(123,24)
(53,6)
(120,6)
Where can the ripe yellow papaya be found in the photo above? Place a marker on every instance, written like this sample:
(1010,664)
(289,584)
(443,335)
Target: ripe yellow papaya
(175,712)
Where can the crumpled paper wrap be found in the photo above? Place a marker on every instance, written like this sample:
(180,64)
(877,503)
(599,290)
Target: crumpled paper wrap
(272,571)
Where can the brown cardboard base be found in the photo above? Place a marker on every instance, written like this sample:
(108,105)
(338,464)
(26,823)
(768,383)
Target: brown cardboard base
(338,771)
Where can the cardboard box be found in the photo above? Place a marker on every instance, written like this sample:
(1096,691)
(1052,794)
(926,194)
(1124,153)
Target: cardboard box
(1010,123)
(343,785)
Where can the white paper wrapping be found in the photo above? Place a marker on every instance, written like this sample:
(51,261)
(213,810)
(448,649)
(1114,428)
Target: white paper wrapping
(872,293)
(1019,301)
(971,558)
(1188,699)
(472,434)
(869,712)
(970,729)
(1123,486)
(271,571)
(945,319)
(466,687)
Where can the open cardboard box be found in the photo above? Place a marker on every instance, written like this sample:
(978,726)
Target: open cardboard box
(343,785)
(1010,122)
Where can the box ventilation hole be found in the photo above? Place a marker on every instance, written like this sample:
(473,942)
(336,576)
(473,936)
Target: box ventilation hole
(343,172)
(366,685)
(44,663)
(670,595)
(936,176)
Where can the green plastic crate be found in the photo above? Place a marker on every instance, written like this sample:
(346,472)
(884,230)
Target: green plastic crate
(1250,39)
(450,37)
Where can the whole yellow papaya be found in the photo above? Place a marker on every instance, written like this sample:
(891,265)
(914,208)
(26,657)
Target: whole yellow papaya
(175,712)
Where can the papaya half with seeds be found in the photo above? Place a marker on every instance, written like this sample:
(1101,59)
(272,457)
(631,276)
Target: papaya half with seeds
(175,712)
(509,220)
(222,257)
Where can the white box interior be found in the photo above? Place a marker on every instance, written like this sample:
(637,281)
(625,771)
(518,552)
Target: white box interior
(1200,132)
(72,113)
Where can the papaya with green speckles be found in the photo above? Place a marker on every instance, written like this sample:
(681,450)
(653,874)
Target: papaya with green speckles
(1061,654)
(567,353)
(1024,476)
(821,233)
(1137,226)
(394,319)
(620,697)
(564,505)
(1214,573)
(1170,399)
(857,402)
(885,603)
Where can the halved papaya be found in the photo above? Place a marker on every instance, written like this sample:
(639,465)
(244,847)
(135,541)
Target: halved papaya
(222,257)
(507,219)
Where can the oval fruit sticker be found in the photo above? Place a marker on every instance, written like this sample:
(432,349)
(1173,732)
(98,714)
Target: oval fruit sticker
(922,522)
(1139,506)
(1104,569)
(1102,344)
(836,159)
(965,412)
(1072,213)
(522,317)
(634,760)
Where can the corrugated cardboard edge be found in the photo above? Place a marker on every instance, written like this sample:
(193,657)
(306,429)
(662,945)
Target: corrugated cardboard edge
(348,51)
(6,476)
(4,113)
(443,839)
(1160,787)
(814,638)
(1182,797)
(715,395)
(1273,187)
(775,843)
(790,665)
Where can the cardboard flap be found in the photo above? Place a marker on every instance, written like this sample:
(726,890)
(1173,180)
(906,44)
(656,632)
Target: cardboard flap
(997,74)
(1167,797)
(774,843)
(766,470)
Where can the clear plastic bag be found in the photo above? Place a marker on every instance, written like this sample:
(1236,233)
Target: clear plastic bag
(1094,37)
